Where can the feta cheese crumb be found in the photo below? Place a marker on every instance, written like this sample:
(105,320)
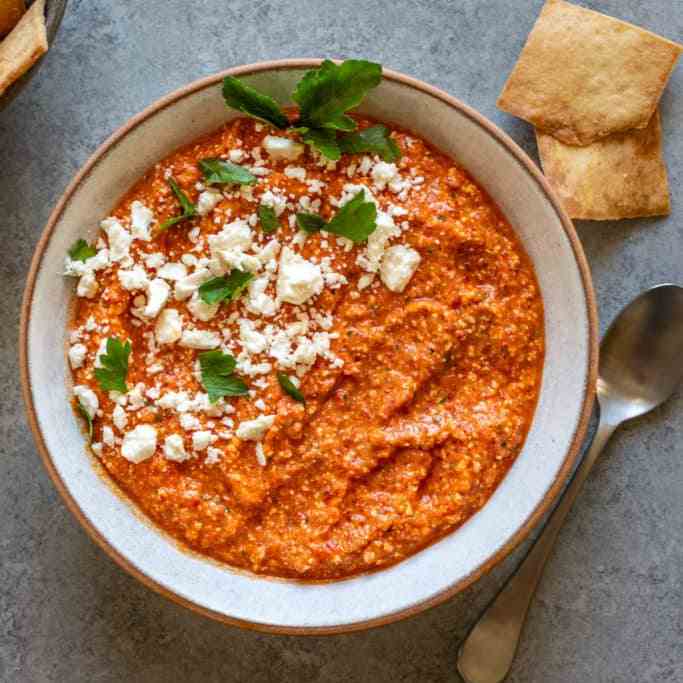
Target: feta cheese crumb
(260,455)
(87,285)
(119,238)
(87,399)
(119,418)
(77,354)
(298,279)
(200,339)
(398,266)
(169,326)
(282,148)
(208,200)
(253,430)
(139,443)
(158,292)
(133,279)
(213,455)
(141,218)
(174,448)
(201,440)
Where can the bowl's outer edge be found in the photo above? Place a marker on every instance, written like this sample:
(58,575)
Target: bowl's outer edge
(544,505)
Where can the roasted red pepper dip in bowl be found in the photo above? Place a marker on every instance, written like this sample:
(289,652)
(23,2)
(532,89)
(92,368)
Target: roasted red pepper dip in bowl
(309,346)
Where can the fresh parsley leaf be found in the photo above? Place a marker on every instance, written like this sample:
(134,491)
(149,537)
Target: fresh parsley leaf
(112,375)
(324,140)
(217,375)
(225,288)
(310,222)
(86,416)
(221,171)
(375,140)
(356,220)
(249,101)
(268,218)
(289,387)
(81,251)
(326,93)
(189,209)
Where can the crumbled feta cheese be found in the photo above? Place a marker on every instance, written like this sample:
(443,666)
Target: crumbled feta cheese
(398,265)
(136,397)
(230,245)
(139,443)
(186,287)
(155,260)
(236,155)
(189,422)
(298,279)
(201,440)
(383,173)
(119,418)
(386,229)
(282,148)
(87,285)
(173,271)
(200,309)
(174,448)
(87,399)
(252,340)
(200,339)
(133,279)
(213,455)
(141,218)
(258,301)
(77,354)
(253,430)
(296,172)
(208,200)
(158,292)
(169,326)
(108,435)
(276,201)
(119,238)
(260,455)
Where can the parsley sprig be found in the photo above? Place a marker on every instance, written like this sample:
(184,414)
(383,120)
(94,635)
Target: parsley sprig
(356,220)
(324,96)
(290,388)
(268,219)
(225,287)
(219,171)
(112,375)
(86,416)
(217,369)
(81,251)
(189,209)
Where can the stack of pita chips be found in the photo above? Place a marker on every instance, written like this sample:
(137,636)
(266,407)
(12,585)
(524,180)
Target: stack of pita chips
(590,84)
(25,40)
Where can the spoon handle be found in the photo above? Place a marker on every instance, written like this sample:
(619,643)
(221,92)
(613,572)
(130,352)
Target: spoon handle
(487,653)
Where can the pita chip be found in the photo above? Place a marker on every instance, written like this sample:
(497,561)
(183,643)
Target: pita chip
(583,75)
(22,48)
(621,176)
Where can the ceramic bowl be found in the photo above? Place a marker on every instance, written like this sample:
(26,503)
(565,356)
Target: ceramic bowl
(443,568)
(54,11)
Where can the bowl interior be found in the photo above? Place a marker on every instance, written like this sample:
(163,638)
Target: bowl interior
(439,570)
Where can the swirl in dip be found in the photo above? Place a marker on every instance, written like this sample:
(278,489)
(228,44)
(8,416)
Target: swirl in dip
(418,353)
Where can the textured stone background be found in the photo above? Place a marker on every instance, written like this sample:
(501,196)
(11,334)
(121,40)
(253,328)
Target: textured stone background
(609,608)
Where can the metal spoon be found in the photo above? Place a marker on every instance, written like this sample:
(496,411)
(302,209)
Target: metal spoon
(641,364)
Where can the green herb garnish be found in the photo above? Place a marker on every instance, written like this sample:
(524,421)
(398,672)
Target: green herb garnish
(244,98)
(374,140)
(81,251)
(189,209)
(356,220)
(218,171)
(310,222)
(324,96)
(224,288)
(217,370)
(290,388)
(86,416)
(268,218)
(112,375)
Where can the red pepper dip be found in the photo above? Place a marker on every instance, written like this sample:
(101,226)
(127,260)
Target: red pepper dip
(381,388)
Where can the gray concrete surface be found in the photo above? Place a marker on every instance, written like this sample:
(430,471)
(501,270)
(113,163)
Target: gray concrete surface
(610,605)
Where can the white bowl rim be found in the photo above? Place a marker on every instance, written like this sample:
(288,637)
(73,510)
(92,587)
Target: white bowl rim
(544,504)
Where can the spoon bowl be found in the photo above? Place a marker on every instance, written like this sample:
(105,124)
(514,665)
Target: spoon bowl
(641,356)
